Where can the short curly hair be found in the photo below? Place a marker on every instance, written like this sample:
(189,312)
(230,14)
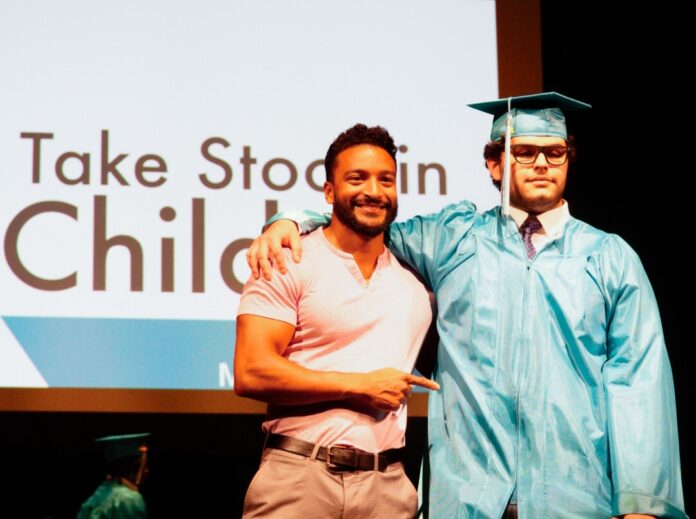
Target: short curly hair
(358,134)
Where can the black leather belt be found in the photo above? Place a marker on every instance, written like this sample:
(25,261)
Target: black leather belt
(339,458)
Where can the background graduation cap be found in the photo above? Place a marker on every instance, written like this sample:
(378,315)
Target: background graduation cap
(122,446)
(529,115)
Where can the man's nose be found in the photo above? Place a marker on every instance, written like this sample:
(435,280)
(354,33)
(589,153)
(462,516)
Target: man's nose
(373,188)
(541,161)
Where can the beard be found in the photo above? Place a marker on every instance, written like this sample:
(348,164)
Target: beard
(345,212)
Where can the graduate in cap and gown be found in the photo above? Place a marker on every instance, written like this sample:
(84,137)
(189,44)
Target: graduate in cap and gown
(556,393)
(126,466)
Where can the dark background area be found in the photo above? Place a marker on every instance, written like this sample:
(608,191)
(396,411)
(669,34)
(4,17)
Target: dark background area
(630,178)
(200,465)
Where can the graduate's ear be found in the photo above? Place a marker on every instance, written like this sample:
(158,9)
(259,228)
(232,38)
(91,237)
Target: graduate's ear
(495,169)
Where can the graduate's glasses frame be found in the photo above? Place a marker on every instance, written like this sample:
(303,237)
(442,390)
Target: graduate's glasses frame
(556,155)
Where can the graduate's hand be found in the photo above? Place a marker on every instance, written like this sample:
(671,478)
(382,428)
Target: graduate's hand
(389,388)
(269,246)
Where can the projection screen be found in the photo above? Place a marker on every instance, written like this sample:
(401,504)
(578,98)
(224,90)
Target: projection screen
(145,144)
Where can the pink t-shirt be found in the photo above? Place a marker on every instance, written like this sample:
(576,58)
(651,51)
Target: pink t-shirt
(344,323)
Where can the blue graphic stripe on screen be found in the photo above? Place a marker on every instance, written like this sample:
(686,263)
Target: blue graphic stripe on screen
(126,353)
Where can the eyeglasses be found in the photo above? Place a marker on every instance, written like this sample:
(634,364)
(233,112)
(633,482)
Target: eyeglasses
(527,153)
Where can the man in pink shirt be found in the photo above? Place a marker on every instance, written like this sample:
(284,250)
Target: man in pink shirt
(331,346)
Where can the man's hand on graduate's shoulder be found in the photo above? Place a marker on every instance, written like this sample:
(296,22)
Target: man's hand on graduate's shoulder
(267,249)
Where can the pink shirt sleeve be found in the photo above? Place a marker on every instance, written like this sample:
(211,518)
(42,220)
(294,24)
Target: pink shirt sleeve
(275,299)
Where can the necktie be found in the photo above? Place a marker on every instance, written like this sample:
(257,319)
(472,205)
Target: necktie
(529,227)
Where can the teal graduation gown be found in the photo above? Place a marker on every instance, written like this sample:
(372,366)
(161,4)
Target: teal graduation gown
(113,500)
(555,379)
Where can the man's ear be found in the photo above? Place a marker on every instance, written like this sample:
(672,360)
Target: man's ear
(495,168)
(329,193)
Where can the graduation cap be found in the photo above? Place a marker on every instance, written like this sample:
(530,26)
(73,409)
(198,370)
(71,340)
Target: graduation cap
(539,115)
(123,446)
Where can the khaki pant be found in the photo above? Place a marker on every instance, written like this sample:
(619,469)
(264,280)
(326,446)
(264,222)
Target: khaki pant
(288,485)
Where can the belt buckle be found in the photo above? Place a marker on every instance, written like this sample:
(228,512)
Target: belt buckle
(331,464)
